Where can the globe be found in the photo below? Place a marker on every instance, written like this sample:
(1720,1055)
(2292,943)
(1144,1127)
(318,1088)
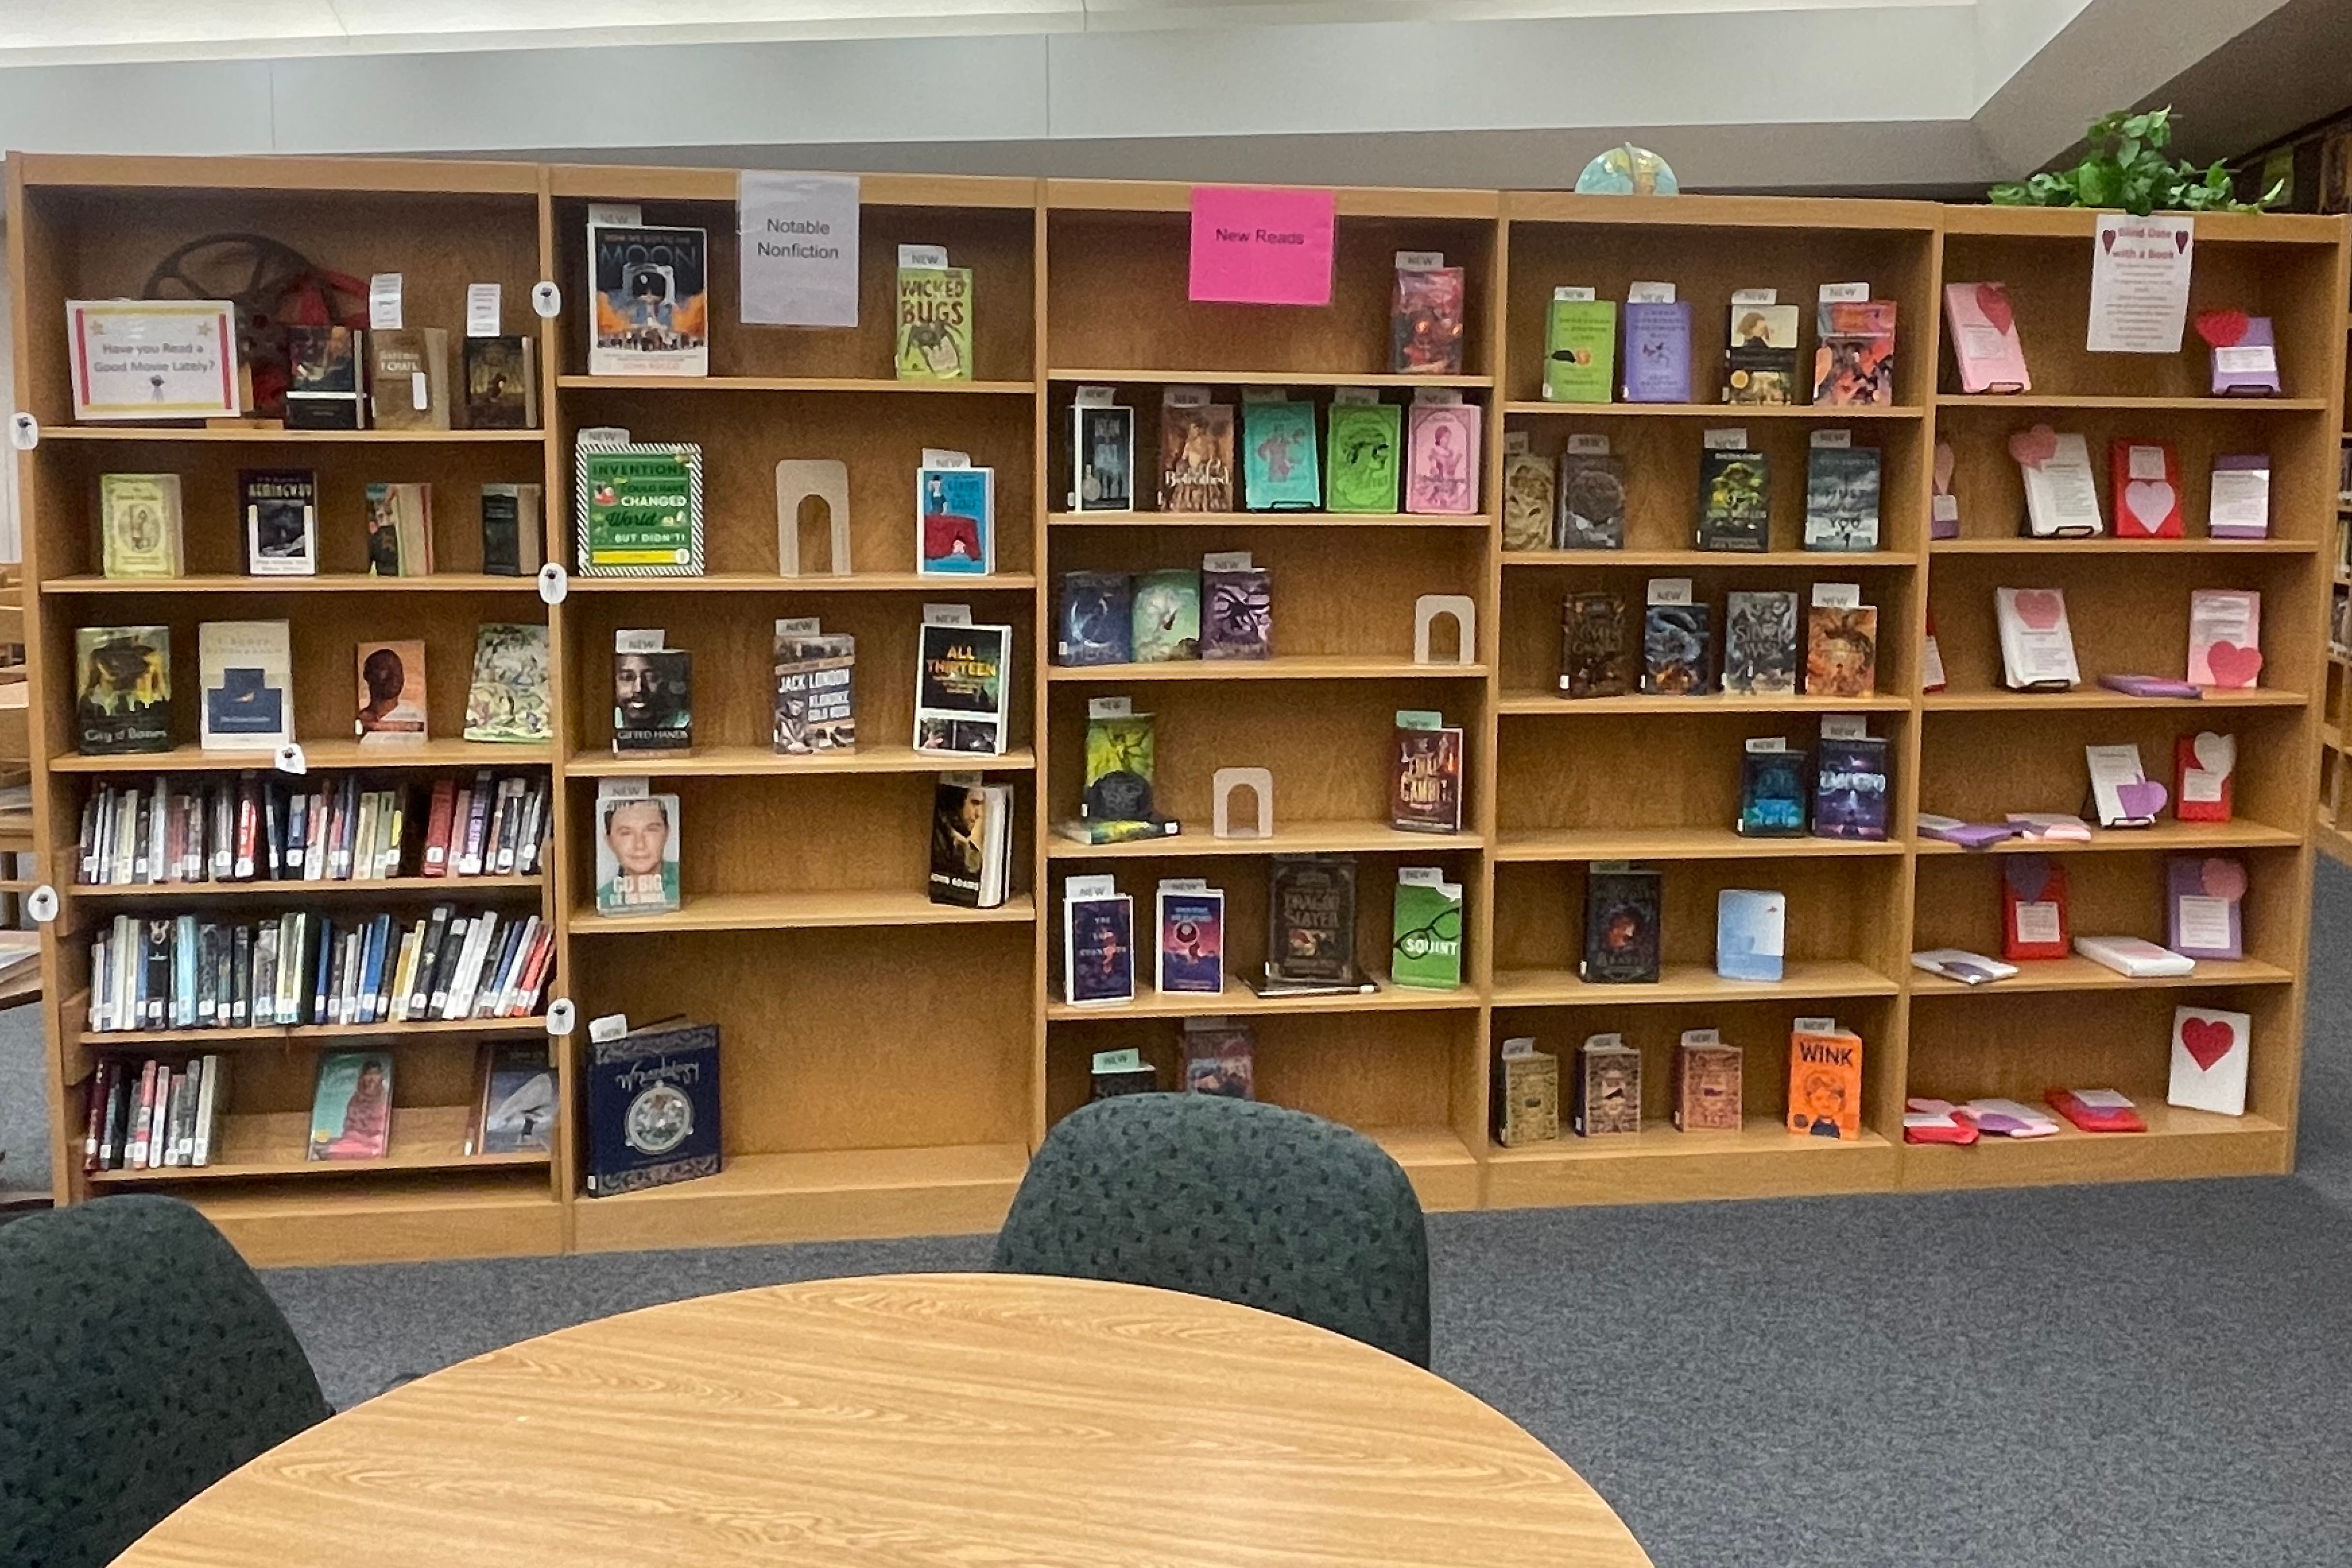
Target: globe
(1628,170)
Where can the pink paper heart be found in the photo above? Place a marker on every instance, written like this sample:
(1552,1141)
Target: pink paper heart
(2107,240)
(2147,502)
(2222,328)
(2181,241)
(2041,608)
(2034,447)
(2222,878)
(2028,875)
(2145,799)
(2207,1041)
(1945,463)
(2233,666)
(1992,300)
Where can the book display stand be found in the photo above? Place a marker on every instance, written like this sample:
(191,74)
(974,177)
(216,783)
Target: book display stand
(889,1062)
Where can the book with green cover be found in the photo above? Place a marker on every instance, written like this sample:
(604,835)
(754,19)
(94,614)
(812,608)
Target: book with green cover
(1581,350)
(1427,949)
(934,341)
(638,509)
(1367,456)
(1278,469)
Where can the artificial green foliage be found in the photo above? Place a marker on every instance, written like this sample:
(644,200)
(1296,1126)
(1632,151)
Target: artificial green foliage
(2127,168)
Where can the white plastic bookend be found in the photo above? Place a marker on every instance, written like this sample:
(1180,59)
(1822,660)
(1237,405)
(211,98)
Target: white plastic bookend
(292,760)
(554,583)
(1257,780)
(547,299)
(1425,612)
(798,479)
(24,432)
(41,903)
(560,1014)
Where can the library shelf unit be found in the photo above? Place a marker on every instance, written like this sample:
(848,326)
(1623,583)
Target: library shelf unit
(891,1063)
(2332,829)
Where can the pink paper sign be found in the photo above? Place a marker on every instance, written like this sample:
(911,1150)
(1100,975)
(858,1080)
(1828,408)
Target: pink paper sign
(1253,246)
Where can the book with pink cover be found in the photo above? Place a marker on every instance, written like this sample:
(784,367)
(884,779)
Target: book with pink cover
(1441,473)
(2225,638)
(1985,345)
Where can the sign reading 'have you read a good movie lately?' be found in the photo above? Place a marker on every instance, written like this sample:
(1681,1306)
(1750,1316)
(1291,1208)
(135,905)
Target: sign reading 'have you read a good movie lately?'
(1254,247)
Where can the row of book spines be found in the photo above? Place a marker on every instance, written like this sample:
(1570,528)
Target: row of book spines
(186,974)
(249,831)
(150,1115)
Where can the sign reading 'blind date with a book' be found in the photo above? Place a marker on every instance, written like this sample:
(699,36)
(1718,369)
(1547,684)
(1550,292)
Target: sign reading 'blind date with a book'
(1258,246)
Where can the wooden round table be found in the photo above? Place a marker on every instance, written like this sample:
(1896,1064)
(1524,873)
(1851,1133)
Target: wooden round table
(934,1420)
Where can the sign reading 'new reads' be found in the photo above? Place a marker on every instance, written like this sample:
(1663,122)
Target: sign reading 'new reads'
(1258,246)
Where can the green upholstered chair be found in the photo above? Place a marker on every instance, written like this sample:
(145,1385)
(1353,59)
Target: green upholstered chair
(140,1362)
(1245,1202)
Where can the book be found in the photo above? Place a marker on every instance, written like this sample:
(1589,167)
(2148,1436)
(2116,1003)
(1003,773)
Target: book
(1442,453)
(514,529)
(1278,464)
(501,384)
(2204,767)
(1530,503)
(1115,1072)
(934,324)
(408,378)
(323,385)
(654,1105)
(1678,646)
(246,681)
(2211,1046)
(1959,963)
(2203,897)
(1734,500)
(1095,619)
(955,520)
(1995,1117)
(1657,351)
(1165,622)
(1840,651)
(1622,904)
(1425,787)
(815,692)
(1595,661)
(652,695)
(1710,1087)
(1750,934)
(1853,353)
(2134,958)
(399,530)
(1579,350)
(1311,920)
(971,842)
(1196,457)
(1841,487)
(1759,642)
(1365,446)
(1191,919)
(1851,789)
(2238,497)
(280,508)
(122,690)
(637,845)
(2096,1110)
(1426,309)
(2144,477)
(1426,947)
(1527,1095)
(1219,1058)
(1097,942)
(1591,501)
(393,700)
(650,287)
(1608,1087)
(2120,789)
(2034,914)
(2037,645)
(1760,359)
(1102,458)
(139,525)
(2246,355)
(350,1108)
(517,1103)
(1825,1082)
(1775,791)
(961,688)
(1237,609)
(1986,349)
(505,698)
(2062,501)
(1121,758)
(2225,635)
(638,508)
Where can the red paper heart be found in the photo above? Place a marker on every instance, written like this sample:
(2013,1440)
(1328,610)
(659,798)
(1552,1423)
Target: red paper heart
(2027,875)
(2222,328)
(2233,665)
(1992,300)
(2034,447)
(2207,1041)
(2107,240)
(2181,242)
(2042,608)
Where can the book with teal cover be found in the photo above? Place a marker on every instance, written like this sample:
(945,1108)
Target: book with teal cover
(1427,949)
(1367,446)
(1278,466)
(1167,616)
(1581,352)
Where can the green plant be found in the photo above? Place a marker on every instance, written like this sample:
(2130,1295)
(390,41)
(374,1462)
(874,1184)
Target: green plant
(2127,168)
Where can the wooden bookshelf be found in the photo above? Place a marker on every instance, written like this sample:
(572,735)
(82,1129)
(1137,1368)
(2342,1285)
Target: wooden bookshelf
(2329,833)
(890,1062)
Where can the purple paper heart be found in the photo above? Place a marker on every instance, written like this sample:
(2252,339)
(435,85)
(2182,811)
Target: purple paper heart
(2028,875)
(2145,799)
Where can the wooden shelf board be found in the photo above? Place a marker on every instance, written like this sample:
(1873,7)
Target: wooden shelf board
(1348,201)
(394,1218)
(1268,378)
(1542,702)
(1801,977)
(2076,223)
(2108,544)
(790,911)
(1287,838)
(1704,560)
(790,384)
(1442,1170)
(2101,699)
(652,183)
(2178,1145)
(1722,212)
(1660,1165)
(153,1042)
(325,582)
(828,1194)
(754,761)
(1672,843)
(2091,401)
(262,437)
(1238,1000)
(813,582)
(271,1145)
(319,754)
(1725,413)
(1281,667)
(1267,521)
(2163,836)
(452,888)
(2080,974)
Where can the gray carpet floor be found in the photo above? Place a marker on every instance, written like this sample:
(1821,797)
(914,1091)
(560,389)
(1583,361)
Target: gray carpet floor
(2087,1377)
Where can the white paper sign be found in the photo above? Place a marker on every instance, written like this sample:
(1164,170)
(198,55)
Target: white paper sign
(153,359)
(797,251)
(482,309)
(2139,283)
(384,302)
